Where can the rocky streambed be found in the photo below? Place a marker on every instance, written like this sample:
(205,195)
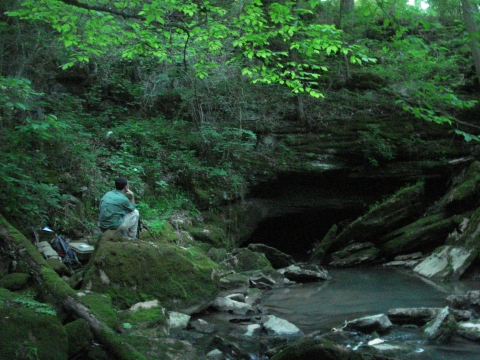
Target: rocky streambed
(369,313)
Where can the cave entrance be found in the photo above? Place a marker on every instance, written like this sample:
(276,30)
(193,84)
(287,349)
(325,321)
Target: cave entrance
(295,234)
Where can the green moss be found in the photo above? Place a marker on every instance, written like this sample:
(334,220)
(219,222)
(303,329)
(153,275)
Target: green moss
(79,337)
(430,232)
(101,306)
(165,233)
(117,346)
(209,234)
(98,353)
(62,289)
(15,281)
(58,266)
(155,317)
(327,241)
(247,260)
(139,271)
(27,333)
(470,185)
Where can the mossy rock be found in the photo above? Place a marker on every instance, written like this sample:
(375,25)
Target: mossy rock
(466,194)
(59,267)
(182,279)
(277,258)
(472,233)
(319,252)
(233,283)
(16,281)
(28,333)
(217,254)
(79,337)
(244,260)
(152,322)
(423,235)
(101,305)
(209,234)
(316,349)
(98,352)
(404,206)
(166,234)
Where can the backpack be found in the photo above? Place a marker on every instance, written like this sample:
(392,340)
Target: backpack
(68,256)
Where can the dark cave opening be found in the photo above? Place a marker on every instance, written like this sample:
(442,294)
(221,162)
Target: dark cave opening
(330,199)
(296,234)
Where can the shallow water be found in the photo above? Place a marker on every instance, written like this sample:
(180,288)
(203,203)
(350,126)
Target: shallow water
(353,293)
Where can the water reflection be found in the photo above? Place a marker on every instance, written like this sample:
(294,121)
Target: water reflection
(358,292)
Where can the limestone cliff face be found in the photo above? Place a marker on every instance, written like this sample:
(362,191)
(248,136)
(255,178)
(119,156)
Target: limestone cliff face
(337,174)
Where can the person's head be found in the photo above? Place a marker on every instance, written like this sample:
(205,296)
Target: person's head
(120,183)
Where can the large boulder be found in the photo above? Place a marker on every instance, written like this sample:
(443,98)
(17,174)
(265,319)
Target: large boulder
(244,259)
(277,258)
(182,279)
(355,255)
(470,330)
(379,323)
(425,233)
(393,213)
(446,262)
(279,327)
(469,301)
(320,251)
(234,283)
(304,273)
(421,316)
(442,328)
(225,304)
(468,232)
(464,194)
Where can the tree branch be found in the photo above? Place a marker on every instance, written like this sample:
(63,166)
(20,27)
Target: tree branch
(63,294)
(126,15)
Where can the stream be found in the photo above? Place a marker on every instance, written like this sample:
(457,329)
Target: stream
(354,293)
(350,294)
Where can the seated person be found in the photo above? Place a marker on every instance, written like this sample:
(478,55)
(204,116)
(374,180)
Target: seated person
(117,212)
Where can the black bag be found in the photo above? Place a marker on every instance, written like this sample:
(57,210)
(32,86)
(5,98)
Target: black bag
(68,256)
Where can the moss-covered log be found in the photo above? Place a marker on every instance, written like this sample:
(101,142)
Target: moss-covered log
(64,295)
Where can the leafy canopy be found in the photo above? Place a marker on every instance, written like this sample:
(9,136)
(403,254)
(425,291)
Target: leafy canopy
(275,43)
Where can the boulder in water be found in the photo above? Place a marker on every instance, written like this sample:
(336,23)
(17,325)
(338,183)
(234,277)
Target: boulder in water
(421,316)
(470,329)
(307,273)
(228,305)
(201,326)
(277,326)
(471,300)
(442,328)
(379,323)
(315,349)
(446,262)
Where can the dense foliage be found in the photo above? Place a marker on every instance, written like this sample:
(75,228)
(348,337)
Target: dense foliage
(181,96)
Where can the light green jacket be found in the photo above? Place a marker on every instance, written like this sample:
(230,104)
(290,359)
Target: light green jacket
(113,207)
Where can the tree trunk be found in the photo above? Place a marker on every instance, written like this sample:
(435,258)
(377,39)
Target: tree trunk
(65,296)
(470,11)
(346,8)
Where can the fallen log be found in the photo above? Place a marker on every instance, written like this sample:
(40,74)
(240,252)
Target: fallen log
(63,294)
